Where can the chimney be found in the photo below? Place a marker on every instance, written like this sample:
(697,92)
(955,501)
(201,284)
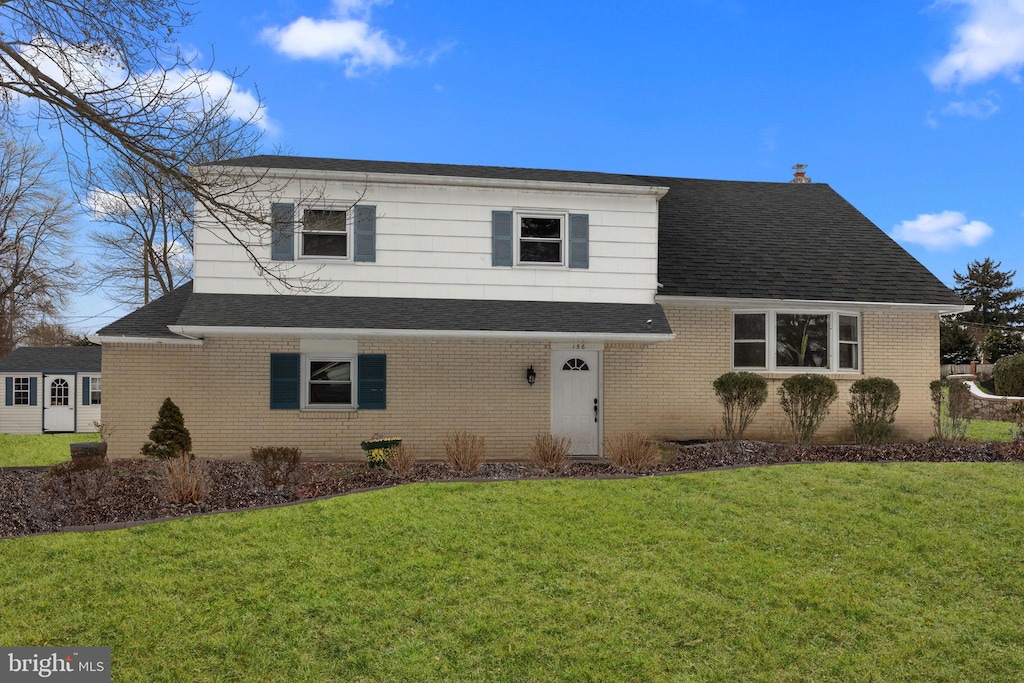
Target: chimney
(799,175)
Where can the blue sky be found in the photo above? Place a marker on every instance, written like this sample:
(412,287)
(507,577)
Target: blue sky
(913,111)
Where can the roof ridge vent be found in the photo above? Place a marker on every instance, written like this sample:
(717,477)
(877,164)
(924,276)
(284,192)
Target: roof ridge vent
(799,174)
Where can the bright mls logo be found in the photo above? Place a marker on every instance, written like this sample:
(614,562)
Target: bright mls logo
(79,664)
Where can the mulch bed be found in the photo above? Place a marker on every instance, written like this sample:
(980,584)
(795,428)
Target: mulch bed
(123,492)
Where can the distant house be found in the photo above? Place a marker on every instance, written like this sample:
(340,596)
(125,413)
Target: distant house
(50,389)
(512,302)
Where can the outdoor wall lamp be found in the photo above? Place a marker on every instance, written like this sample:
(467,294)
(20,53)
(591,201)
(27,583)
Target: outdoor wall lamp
(531,376)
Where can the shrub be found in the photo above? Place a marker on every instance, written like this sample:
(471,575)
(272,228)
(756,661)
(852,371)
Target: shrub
(951,409)
(634,451)
(169,437)
(741,394)
(401,458)
(873,404)
(186,480)
(1009,376)
(278,465)
(550,452)
(465,452)
(806,399)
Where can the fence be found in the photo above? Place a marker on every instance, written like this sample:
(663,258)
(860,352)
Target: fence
(968,369)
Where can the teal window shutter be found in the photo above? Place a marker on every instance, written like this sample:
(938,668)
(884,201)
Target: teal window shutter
(9,391)
(365,225)
(579,240)
(33,384)
(282,232)
(85,391)
(285,381)
(372,372)
(501,238)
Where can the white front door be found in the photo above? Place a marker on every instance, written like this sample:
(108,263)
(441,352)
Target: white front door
(58,403)
(575,399)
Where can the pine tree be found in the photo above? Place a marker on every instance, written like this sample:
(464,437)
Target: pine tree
(169,437)
(956,345)
(991,292)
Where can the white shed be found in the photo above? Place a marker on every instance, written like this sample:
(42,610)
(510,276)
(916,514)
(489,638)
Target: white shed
(50,389)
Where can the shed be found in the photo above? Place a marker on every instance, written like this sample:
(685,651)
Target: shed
(49,389)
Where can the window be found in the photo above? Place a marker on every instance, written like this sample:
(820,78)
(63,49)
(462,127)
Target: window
(796,340)
(329,382)
(59,393)
(21,391)
(541,238)
(324,233)
(94,391)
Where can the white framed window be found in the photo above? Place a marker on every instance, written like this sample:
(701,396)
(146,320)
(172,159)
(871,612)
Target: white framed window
(324,233)
(95,391)
(541,238)
(797,341)
(329,382)
(21,391)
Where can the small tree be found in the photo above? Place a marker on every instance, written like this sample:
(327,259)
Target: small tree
(806,399)
(956,345)
(873,404)
(1000,344)
(741,394)
(169,437)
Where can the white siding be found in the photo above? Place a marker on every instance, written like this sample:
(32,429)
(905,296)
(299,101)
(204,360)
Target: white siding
(85,415)
(435,241)
(21,419)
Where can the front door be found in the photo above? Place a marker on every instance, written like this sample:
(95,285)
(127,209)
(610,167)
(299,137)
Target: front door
(575,399)
(58,403)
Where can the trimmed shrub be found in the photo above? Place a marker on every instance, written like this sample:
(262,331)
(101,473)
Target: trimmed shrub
(278,465)
(806,400)
(169,437)
(873,404)
(401,458)
(951,409)
(549,452)
(633,451)
(1009,376)
(741,395)
(465,452)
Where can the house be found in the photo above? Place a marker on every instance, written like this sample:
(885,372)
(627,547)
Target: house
(511,302)
(50,389)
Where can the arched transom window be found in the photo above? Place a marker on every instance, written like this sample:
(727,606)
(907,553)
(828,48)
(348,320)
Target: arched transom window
(575,364)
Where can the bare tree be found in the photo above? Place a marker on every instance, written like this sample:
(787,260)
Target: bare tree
(37,272)
(109,76)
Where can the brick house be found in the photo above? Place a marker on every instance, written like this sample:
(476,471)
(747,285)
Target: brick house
(511,302)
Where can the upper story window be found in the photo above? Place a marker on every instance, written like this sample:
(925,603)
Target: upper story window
(21,391)
(541,238)
(324,232)
(796,340)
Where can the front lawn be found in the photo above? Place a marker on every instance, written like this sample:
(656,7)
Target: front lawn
(802,572)
(38,449)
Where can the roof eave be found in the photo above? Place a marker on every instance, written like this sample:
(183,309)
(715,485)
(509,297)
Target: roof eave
(202,331)
(740,302)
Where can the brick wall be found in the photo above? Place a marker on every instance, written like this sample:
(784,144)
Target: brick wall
(435,386)
(666,388)
(223,390)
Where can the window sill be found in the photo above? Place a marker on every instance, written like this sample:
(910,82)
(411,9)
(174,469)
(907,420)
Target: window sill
(327,413)
(783,374)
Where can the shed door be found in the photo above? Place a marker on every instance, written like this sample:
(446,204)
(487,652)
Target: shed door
(575,399)
(58,403)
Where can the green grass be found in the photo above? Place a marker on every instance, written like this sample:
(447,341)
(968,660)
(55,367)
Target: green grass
(991,430)
(38,449)
(824,572)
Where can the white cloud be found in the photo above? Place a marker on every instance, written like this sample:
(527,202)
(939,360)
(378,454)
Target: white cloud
(989,42)
(944,230)
(345,35)
(976,109)
(91,70)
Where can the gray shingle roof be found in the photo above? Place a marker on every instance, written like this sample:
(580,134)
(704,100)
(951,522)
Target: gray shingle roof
(52,359)
(727,238)
(372,313)
(152,319)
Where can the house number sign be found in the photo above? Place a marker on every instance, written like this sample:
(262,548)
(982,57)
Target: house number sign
(579,347)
